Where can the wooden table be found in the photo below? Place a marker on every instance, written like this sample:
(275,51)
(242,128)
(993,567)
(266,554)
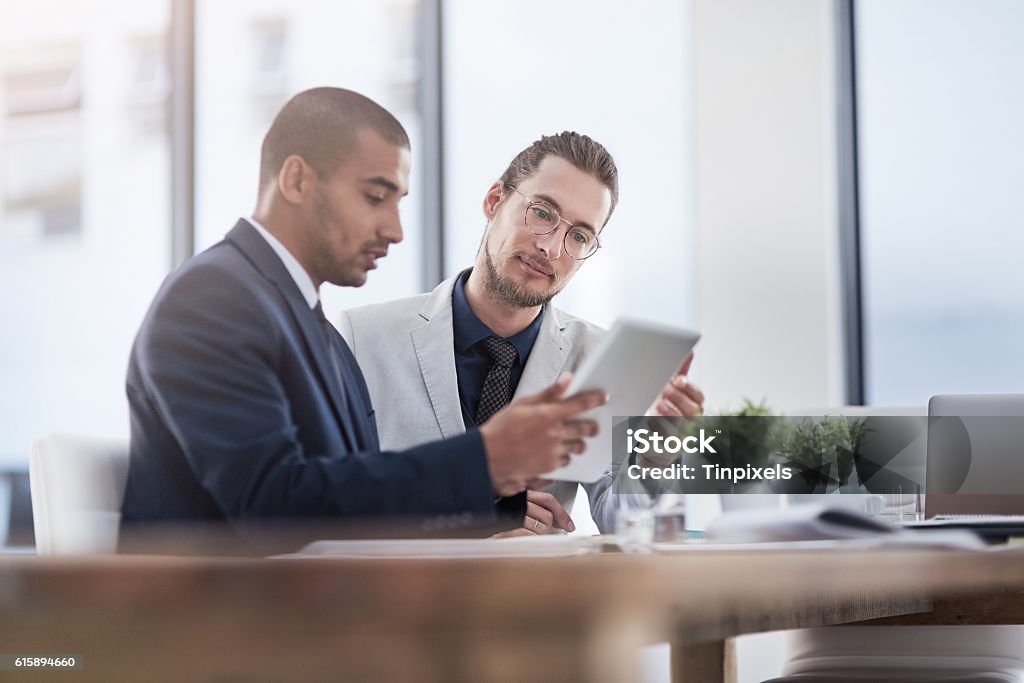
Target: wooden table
(569,619)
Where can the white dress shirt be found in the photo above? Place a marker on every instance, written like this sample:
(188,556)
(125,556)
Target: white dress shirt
(302,279)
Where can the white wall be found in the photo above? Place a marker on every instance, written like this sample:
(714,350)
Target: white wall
(766,228)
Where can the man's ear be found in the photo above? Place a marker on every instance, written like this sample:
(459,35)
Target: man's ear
(295,179)
(492,199)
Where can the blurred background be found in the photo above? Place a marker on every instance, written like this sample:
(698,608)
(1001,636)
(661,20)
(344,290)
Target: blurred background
(828,189)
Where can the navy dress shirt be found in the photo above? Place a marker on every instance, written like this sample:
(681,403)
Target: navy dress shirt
(471,361)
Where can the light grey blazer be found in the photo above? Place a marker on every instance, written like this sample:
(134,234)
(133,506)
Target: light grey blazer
(406,350)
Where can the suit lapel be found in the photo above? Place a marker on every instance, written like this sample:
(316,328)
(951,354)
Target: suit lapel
(548,357)
(434,343)
(267,262)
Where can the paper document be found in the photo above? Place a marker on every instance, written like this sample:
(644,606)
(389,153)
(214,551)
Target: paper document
(819,523)
(557,545)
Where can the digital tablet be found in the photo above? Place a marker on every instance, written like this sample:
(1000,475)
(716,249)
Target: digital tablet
(632,363)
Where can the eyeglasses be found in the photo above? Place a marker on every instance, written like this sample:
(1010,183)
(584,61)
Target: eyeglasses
(579,243)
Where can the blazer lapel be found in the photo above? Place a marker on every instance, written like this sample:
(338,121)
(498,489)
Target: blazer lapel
(268,263)
(434,343)
(548,357)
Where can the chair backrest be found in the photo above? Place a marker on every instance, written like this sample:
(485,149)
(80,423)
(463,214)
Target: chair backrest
(77,485)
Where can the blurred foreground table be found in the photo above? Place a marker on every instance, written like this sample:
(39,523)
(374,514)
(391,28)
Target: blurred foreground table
(580,618)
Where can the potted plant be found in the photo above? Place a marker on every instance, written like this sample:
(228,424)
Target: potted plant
(822,450)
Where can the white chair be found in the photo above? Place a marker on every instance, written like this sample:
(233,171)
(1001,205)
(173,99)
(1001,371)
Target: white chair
(953,654)
(77,485)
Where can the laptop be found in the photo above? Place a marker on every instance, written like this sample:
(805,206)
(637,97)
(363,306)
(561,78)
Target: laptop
(975,463)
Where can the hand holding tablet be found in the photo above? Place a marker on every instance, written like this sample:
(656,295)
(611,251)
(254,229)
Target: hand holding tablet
(632,363)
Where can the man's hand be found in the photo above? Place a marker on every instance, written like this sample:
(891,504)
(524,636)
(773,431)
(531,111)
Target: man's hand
(544,515)
(679,397)
(536,434)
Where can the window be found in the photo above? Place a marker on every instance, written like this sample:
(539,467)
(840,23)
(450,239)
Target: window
(42,143)
(940,165)
(84,211)
(287,47)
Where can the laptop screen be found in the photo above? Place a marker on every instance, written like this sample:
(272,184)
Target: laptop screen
(975,455)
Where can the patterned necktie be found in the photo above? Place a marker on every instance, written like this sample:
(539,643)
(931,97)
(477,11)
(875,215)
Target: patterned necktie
(496,394)
(497,389)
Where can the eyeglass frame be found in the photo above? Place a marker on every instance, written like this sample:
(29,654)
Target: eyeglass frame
(530,202)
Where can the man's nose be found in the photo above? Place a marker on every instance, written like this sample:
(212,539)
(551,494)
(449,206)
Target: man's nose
(550,244)
(391,229)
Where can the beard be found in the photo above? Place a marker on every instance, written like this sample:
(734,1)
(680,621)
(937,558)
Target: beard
(327,266)
(510,292)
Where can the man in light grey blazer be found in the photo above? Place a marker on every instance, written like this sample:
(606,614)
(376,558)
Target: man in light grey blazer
(428,358)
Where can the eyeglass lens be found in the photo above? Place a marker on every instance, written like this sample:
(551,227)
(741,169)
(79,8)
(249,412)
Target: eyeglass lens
(542,219)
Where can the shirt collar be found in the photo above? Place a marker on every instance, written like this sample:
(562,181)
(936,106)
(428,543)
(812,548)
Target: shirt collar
(470,330)
(294,268)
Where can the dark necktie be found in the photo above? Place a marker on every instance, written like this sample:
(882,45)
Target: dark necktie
(497,389)
(328,332)
(496,394)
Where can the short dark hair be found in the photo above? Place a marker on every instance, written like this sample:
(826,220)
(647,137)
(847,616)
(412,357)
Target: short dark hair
(320,125)
(581,151)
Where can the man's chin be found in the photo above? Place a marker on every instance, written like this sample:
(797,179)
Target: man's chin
(537,292)
(534,285)
(349,279)
(526,293)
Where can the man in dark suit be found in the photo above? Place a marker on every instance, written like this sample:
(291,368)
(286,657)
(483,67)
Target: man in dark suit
(245,403)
